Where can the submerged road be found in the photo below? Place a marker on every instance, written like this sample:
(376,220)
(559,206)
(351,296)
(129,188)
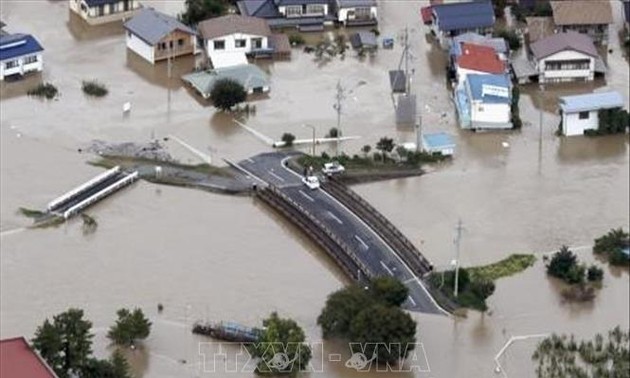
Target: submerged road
(367,245)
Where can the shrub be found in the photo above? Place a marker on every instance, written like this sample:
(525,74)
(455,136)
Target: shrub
(613,121)
(333,133)
(94,88)
(611,245)
(296,40)
(130,326)
(226,93)
(594,273)
(199,10)
(561,263)
(512,38)
(46,90)
(288,139)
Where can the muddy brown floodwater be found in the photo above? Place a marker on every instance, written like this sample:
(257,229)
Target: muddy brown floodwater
(207,256)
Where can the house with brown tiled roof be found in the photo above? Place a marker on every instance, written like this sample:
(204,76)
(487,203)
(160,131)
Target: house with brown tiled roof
(583,16)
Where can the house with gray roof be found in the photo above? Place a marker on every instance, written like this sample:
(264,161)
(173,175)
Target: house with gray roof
(156,36)
(250,76)
(305,15)
(581,112)
(96,12)
(566,57)
(583,16)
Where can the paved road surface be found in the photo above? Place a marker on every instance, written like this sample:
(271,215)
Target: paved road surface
(375,253)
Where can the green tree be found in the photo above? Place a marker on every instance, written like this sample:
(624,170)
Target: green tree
(65,343)
(389,290)
(115,367)
(613,240)
(281,347)
(385,145)
(595,273)
(389,333)
(226,93)
(366,149)
(563,264)
(482,287)
(288,139)
(130,326)
(199,10)
(333,133)
(340,308)
(511,37)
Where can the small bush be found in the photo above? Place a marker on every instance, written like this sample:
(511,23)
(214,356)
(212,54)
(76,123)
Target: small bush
(512,38)
(375,31)
(296,40)
(594,274)
(46,90)
(226,93)
(288,139)
(94,88)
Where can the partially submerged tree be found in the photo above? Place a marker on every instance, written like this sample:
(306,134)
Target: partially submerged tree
(196,11)
(227,93)
(130,326)
(385,145)
(288,139)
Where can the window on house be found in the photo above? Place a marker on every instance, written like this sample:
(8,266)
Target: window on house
(113,8)
(294,11)
(563,65)
(180,42)
(101,10)
(10,64)
(240,43)
(30,59)
(170,45)
(315,8)
(219,45)
(362,12)
(584,115)
(257,43)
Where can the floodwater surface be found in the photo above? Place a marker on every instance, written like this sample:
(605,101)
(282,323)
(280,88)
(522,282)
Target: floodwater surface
(211,257)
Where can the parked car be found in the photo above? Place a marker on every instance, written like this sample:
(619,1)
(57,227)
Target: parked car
(311,181)
(333,167)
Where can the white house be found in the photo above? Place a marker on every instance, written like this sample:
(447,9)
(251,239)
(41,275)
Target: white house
(565,57)
(356,12)
(302,8)
(484,102)
(19,55)
(581,112)
(228,39)
(156,36)
(96,12)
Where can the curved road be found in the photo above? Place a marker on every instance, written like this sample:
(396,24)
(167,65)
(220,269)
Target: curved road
(377,255)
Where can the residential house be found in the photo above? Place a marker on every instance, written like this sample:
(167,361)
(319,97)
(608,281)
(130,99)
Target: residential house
(96,12)
(566,57)
(156,36)
(365,40)
(499,45)
(484,102)
(452,19)
(19,360)
(19,55)
(229,39)
(581,112)
(476,59)
(306,15)
(356,12)
(583,16)
(250,76)
(440,142)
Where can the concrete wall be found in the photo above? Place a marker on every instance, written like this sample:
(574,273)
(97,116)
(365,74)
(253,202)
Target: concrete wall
(140,47)
(21,68)
(573,125)
(566,75)
(498,114)
(230,43)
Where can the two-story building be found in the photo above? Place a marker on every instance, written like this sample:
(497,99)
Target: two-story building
(356,12)
(480,60)
(229,39)
(583,16)
(565,57)
(96,12)
(452,19)
(305,15)
(19,55)
(156,36)
(484,102)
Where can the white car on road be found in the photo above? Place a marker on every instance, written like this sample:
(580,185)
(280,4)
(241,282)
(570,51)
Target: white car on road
(311,181)
(333,167)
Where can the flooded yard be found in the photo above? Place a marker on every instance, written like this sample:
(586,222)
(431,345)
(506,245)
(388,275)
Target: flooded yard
(214,257)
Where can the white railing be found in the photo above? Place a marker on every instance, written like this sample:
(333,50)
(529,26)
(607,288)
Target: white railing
(103,193)
(96,180)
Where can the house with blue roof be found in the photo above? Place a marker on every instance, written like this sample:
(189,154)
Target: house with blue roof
(452,19)
(156,36)
(96,12)
(581,112)
(19,55)
(484,102)
(305,15)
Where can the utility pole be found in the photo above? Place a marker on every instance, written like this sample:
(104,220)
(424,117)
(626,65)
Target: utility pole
(457,244)
(340,96)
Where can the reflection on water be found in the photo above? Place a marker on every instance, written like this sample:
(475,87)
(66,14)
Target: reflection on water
(82,31)
(595,149)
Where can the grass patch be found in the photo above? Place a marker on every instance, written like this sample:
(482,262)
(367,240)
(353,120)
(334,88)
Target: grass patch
(376,161)
(509,266)
(476,284)
(94,88)
(30,213)
(46,90)
(134,162)
(611,245)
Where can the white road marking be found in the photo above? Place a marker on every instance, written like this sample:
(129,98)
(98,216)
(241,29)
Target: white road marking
(412,301)
(387,269)
(276,176)
(250,160)
(333,216)
(307,196)
(365,246)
